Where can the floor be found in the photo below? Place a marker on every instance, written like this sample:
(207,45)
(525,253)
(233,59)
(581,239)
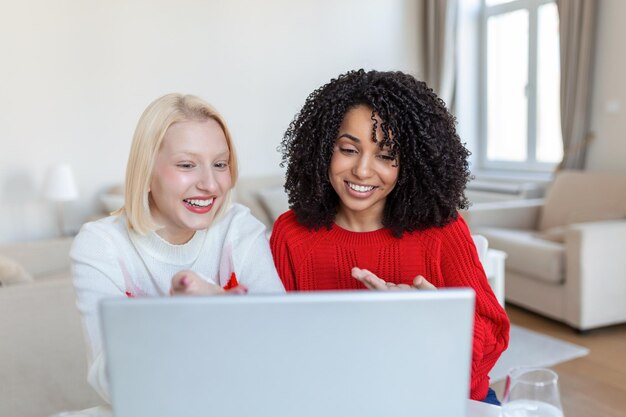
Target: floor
(591,386)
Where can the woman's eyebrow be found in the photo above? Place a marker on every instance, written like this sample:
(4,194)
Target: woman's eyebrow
(349,136)
(197,154)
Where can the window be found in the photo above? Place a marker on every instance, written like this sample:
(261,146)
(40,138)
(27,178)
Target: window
(520,121)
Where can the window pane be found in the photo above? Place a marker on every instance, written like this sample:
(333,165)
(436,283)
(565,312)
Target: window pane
(496,2)
(507,78)
(549,140)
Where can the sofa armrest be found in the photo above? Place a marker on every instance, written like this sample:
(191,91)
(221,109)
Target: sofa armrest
(596,271)
(513,214)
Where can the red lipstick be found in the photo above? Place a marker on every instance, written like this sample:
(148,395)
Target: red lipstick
(199,205)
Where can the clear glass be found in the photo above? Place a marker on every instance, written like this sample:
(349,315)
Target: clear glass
(507,80)
(531,392)
(549,137)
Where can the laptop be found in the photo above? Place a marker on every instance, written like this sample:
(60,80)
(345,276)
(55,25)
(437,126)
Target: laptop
(319,354)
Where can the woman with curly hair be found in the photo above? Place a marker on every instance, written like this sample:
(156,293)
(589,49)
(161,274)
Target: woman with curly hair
(376,175)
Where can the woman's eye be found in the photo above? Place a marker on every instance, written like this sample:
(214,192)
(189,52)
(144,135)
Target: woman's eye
(387,157)
(185,165)
(221,165)
(348,151)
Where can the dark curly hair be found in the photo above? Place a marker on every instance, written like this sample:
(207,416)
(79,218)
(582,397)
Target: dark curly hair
(416,127)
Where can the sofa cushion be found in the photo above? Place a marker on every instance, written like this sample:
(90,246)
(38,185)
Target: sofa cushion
(528,255)
(580,197)
(274,201)
(12,273)
(43,354)
(554,234)
(247,193)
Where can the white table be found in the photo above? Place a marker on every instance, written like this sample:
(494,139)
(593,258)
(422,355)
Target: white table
(474,409)
(480,409)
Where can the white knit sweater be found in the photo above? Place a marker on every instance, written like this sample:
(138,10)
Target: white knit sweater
(108,260)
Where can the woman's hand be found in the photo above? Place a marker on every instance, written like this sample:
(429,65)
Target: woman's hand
(190,283)
(372,282)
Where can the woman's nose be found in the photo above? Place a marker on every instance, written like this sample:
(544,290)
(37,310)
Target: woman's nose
(208,181)
(363,167)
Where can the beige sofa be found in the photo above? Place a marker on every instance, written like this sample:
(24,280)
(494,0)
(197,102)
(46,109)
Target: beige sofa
(43,362)
(43,365)
(567,253)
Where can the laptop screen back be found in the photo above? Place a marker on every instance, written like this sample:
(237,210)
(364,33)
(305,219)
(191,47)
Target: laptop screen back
(331,354)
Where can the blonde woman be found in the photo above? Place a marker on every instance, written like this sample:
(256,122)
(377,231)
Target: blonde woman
(177,232)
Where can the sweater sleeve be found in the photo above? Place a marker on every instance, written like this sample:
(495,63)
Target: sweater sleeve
(280,251)
(256,265)
(96,275)
(461,267)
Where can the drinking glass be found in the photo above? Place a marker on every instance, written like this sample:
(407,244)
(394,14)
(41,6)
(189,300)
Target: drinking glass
(531,392)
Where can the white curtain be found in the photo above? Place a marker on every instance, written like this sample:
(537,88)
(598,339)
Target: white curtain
(577,21)
(439,38)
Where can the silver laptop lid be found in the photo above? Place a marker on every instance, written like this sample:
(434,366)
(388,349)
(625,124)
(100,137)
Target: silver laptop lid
(342,354)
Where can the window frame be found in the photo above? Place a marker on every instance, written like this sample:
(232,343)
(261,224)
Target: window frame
(531,163)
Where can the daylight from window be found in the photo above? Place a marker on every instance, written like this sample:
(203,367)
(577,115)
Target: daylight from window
(521,120)
(549,143)
(495,2)
(507,69)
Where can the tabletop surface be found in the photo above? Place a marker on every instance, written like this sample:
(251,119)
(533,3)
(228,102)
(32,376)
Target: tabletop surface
(474,409)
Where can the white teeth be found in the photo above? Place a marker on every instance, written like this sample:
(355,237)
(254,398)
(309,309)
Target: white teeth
(361,188)
(200,203)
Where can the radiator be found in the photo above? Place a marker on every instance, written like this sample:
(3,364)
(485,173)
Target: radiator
(485,191)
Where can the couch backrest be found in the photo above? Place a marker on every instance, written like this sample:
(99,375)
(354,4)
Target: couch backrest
(579,197)
(265,197)
(40,257)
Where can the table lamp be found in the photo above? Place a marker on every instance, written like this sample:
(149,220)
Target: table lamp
(59,188)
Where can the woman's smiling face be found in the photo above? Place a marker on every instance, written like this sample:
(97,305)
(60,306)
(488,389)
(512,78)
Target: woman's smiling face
(361,173)
(190,179)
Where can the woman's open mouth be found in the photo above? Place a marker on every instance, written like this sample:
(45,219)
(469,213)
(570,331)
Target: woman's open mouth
(359,191)
(199,205)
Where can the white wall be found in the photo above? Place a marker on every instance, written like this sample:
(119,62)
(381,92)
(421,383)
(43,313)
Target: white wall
(75,76)
(608,151)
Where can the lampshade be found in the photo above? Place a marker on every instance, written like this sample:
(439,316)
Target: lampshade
(60,184)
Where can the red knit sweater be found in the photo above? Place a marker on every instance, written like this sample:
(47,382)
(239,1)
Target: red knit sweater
(309,260)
